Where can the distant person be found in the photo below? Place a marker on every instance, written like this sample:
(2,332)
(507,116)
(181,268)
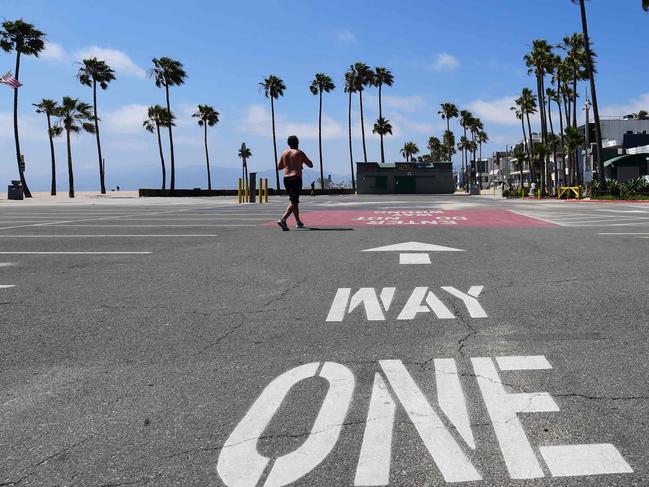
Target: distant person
(291,162)
(313,188)
(117,188)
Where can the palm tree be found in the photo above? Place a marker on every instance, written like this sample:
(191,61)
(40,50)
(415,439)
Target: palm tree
(382,76)
(436,148)
(645,5)
(539,62)
(449,142)
(382,127)
(551,95)
(273,88)
(463,146)
(574,142)
(521,157)
(465,120)
(642,114)
(49,108)
(448,111)
(321,84)
(26,39)
(481,138)
(168,72)
(207,117)
(158,116)
(475,127)
(364,77)
(91,73)
(409,149)
(73,117)
(593,94)
(527,104)
(244,153)
(350,88)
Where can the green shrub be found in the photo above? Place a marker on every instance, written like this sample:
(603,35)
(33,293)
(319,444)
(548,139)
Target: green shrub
(634,187)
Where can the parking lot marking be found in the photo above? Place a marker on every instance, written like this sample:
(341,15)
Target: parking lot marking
(410,259)
(445,451)
(376,450)
(530,362)
(6,286)
(155,226)
(574,460)
(624,233)
(503,408)
(451,398)
(153,235)
(72,253)
(240,464)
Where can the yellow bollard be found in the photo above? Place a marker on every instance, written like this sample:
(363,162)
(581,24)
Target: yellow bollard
(239,195)
(261,190)
(266,190)
(246,197)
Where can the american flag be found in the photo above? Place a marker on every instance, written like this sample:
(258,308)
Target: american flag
(9,80)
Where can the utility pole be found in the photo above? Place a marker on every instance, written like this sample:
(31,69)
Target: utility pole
(587,106)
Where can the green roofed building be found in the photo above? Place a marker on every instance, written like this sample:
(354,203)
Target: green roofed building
(404,178)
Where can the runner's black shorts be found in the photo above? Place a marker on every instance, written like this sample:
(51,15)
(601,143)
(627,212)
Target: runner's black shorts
(293,185)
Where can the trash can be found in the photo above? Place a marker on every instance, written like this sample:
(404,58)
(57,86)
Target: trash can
(474,189)
(253,187)
(15,191)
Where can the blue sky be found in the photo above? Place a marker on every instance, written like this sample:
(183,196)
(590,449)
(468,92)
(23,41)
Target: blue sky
(466,51)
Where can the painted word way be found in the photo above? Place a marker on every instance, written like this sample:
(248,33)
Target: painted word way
(378,303)
(444,428)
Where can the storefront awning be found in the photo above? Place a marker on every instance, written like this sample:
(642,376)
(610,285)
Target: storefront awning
(633,160)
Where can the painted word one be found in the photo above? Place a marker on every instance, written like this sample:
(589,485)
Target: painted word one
(241,465)
(421,300)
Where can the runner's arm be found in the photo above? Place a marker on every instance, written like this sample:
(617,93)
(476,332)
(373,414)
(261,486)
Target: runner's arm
(307,161)
(282,163)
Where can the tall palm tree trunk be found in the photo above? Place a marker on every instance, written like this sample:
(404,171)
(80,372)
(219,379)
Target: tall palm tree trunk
(162,157)
(544,131)
(531,149)
(70,173)
(554,148)
(272,110)
(21,173)
(351,152)
(448,142)
(520,163)
(102,183)
(320,142)
(591,76)
(563,151)
(360,97)
(207,160)
(380,117)
(52,154)
(172,182)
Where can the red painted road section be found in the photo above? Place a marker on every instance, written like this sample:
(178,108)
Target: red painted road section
(418,218)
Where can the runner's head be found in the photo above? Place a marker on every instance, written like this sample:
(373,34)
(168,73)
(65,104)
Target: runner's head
(293,142)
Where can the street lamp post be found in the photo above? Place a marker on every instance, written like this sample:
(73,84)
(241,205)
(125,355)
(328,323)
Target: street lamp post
(587,106)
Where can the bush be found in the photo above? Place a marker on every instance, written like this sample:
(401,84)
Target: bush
(634,187)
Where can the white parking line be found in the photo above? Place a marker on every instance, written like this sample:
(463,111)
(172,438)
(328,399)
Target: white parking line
(622,233)
(102,236)
(73,253)
(155,226)
(6,286)
(537,218)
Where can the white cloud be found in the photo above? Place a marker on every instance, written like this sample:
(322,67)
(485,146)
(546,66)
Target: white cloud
(126,119)
(404,103)
(404,126)
(445,62)
(29,127)
(633,106)
(495,111)
(54,52)
(257,121)
(345,37)
(118,60)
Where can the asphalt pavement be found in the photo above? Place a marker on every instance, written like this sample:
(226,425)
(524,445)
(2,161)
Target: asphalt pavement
(192,342)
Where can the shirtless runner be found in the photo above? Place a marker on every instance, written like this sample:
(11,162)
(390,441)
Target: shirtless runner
(291,162)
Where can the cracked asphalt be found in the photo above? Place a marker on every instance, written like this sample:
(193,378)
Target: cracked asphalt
(134,369)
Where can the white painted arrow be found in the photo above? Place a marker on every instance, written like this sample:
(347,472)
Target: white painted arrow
(407,257)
